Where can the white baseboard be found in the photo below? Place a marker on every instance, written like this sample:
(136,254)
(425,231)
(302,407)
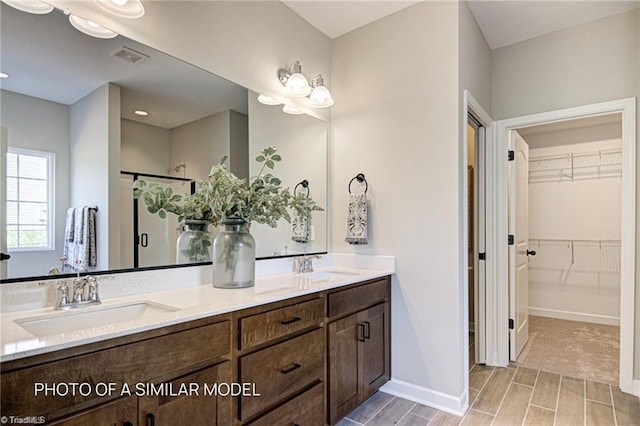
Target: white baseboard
(451,404)
(574,316)
(636,387)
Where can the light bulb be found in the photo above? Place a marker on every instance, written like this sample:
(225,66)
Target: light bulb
(321,97)
(123,8)
(297,85)
(120,2)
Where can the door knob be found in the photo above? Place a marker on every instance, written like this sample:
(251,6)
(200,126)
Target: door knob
(531,252)
(5,256)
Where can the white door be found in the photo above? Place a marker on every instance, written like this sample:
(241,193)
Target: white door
(3,202)
(518,263)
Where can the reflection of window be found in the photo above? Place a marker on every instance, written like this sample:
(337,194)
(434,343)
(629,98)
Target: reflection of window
(29,199)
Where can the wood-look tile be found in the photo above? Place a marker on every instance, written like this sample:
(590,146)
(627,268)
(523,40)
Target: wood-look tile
(573,379)
(599,414)
(570,404)
(626,406)
(365,411)
(413,420)
(599,392)
(479,376)
(525,376)
(423,411)
(347,422)
(491,395)
(476,418)
(514,406)
(392,412)
(545,393)
(537,416)
(445,419)
(473,394)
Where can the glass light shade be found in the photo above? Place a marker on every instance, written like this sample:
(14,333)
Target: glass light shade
(90,28)
(30,6)
(4,75)
(320,97)
(123,8)
(292,109)
(297,85)
(268,100)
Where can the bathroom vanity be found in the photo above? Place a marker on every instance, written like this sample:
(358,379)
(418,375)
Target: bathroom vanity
(303,353)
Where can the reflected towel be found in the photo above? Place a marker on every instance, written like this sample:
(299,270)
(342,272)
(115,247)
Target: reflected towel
(300,229)
(357,219)
(69,225)
(80,251)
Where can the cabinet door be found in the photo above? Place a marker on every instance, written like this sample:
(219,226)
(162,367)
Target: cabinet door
(189,410)
(345,372)
(121,412)
(375,348)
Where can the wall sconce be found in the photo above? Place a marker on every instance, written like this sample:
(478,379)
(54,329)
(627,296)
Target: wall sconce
(30,6)
(294,82)
(320,96)
(296,85)
(292,109)
(268,100)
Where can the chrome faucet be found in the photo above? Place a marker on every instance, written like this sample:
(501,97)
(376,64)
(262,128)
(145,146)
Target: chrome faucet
(80,296)
(304,264)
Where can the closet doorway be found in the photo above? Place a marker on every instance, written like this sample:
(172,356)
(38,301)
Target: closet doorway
(572,256)
(505,283)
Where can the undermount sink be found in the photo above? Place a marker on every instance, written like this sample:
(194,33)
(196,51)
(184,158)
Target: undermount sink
(74,320)
(329,275)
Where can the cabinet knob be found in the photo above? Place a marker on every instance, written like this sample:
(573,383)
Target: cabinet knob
(360,332)
(294,367)
(290,321)
(151,419)
(367,330)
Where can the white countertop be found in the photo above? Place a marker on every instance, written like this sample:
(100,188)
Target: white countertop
(192,303)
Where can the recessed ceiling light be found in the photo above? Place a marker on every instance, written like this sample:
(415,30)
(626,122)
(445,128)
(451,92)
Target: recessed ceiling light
(30,6)
(91,28)
(4,75)
(141,112)
(123,8)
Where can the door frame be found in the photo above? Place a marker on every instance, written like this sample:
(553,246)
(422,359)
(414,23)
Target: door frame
(500,287)
(473,107)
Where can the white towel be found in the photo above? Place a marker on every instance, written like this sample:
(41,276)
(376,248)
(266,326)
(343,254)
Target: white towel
(300,230)
(69,225)
(357,219)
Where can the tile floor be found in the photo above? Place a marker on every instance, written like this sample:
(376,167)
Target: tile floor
(511,396)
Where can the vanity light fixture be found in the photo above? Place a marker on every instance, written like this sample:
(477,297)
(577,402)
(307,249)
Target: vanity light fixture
(320,97)
(131,9)
(141,112)
(268,100)
(294,82)
(90,28)
(30,6)
(292,109)
(4,75)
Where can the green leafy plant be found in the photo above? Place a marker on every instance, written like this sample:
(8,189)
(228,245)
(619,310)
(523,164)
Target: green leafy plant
(222,195)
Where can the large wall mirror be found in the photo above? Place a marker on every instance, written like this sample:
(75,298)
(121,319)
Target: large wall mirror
(74,141)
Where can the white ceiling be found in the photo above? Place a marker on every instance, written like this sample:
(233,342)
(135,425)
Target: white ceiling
(501,22)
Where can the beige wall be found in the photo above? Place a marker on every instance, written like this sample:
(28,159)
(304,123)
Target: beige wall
(402,132)
(589,63)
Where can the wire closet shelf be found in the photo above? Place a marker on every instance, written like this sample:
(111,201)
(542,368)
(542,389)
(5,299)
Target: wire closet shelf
(571,166)
(602,255)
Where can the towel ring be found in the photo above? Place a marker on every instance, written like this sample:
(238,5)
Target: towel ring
(360,178)
(304,184)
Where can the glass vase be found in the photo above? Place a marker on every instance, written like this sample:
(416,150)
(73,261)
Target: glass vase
(194,243)
(234,256)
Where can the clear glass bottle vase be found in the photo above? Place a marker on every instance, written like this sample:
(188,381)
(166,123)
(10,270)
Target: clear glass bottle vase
(194,243)
(234,255)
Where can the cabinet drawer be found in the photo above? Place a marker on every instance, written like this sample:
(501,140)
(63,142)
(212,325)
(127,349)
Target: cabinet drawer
(141,361)
(261,328)
(357,298)
(304,410)
(281,370)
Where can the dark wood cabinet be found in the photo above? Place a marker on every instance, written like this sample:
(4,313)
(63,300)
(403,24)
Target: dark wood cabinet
(121,412)
(358,350)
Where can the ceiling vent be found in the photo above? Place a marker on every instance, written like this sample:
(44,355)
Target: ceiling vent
(129,55)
